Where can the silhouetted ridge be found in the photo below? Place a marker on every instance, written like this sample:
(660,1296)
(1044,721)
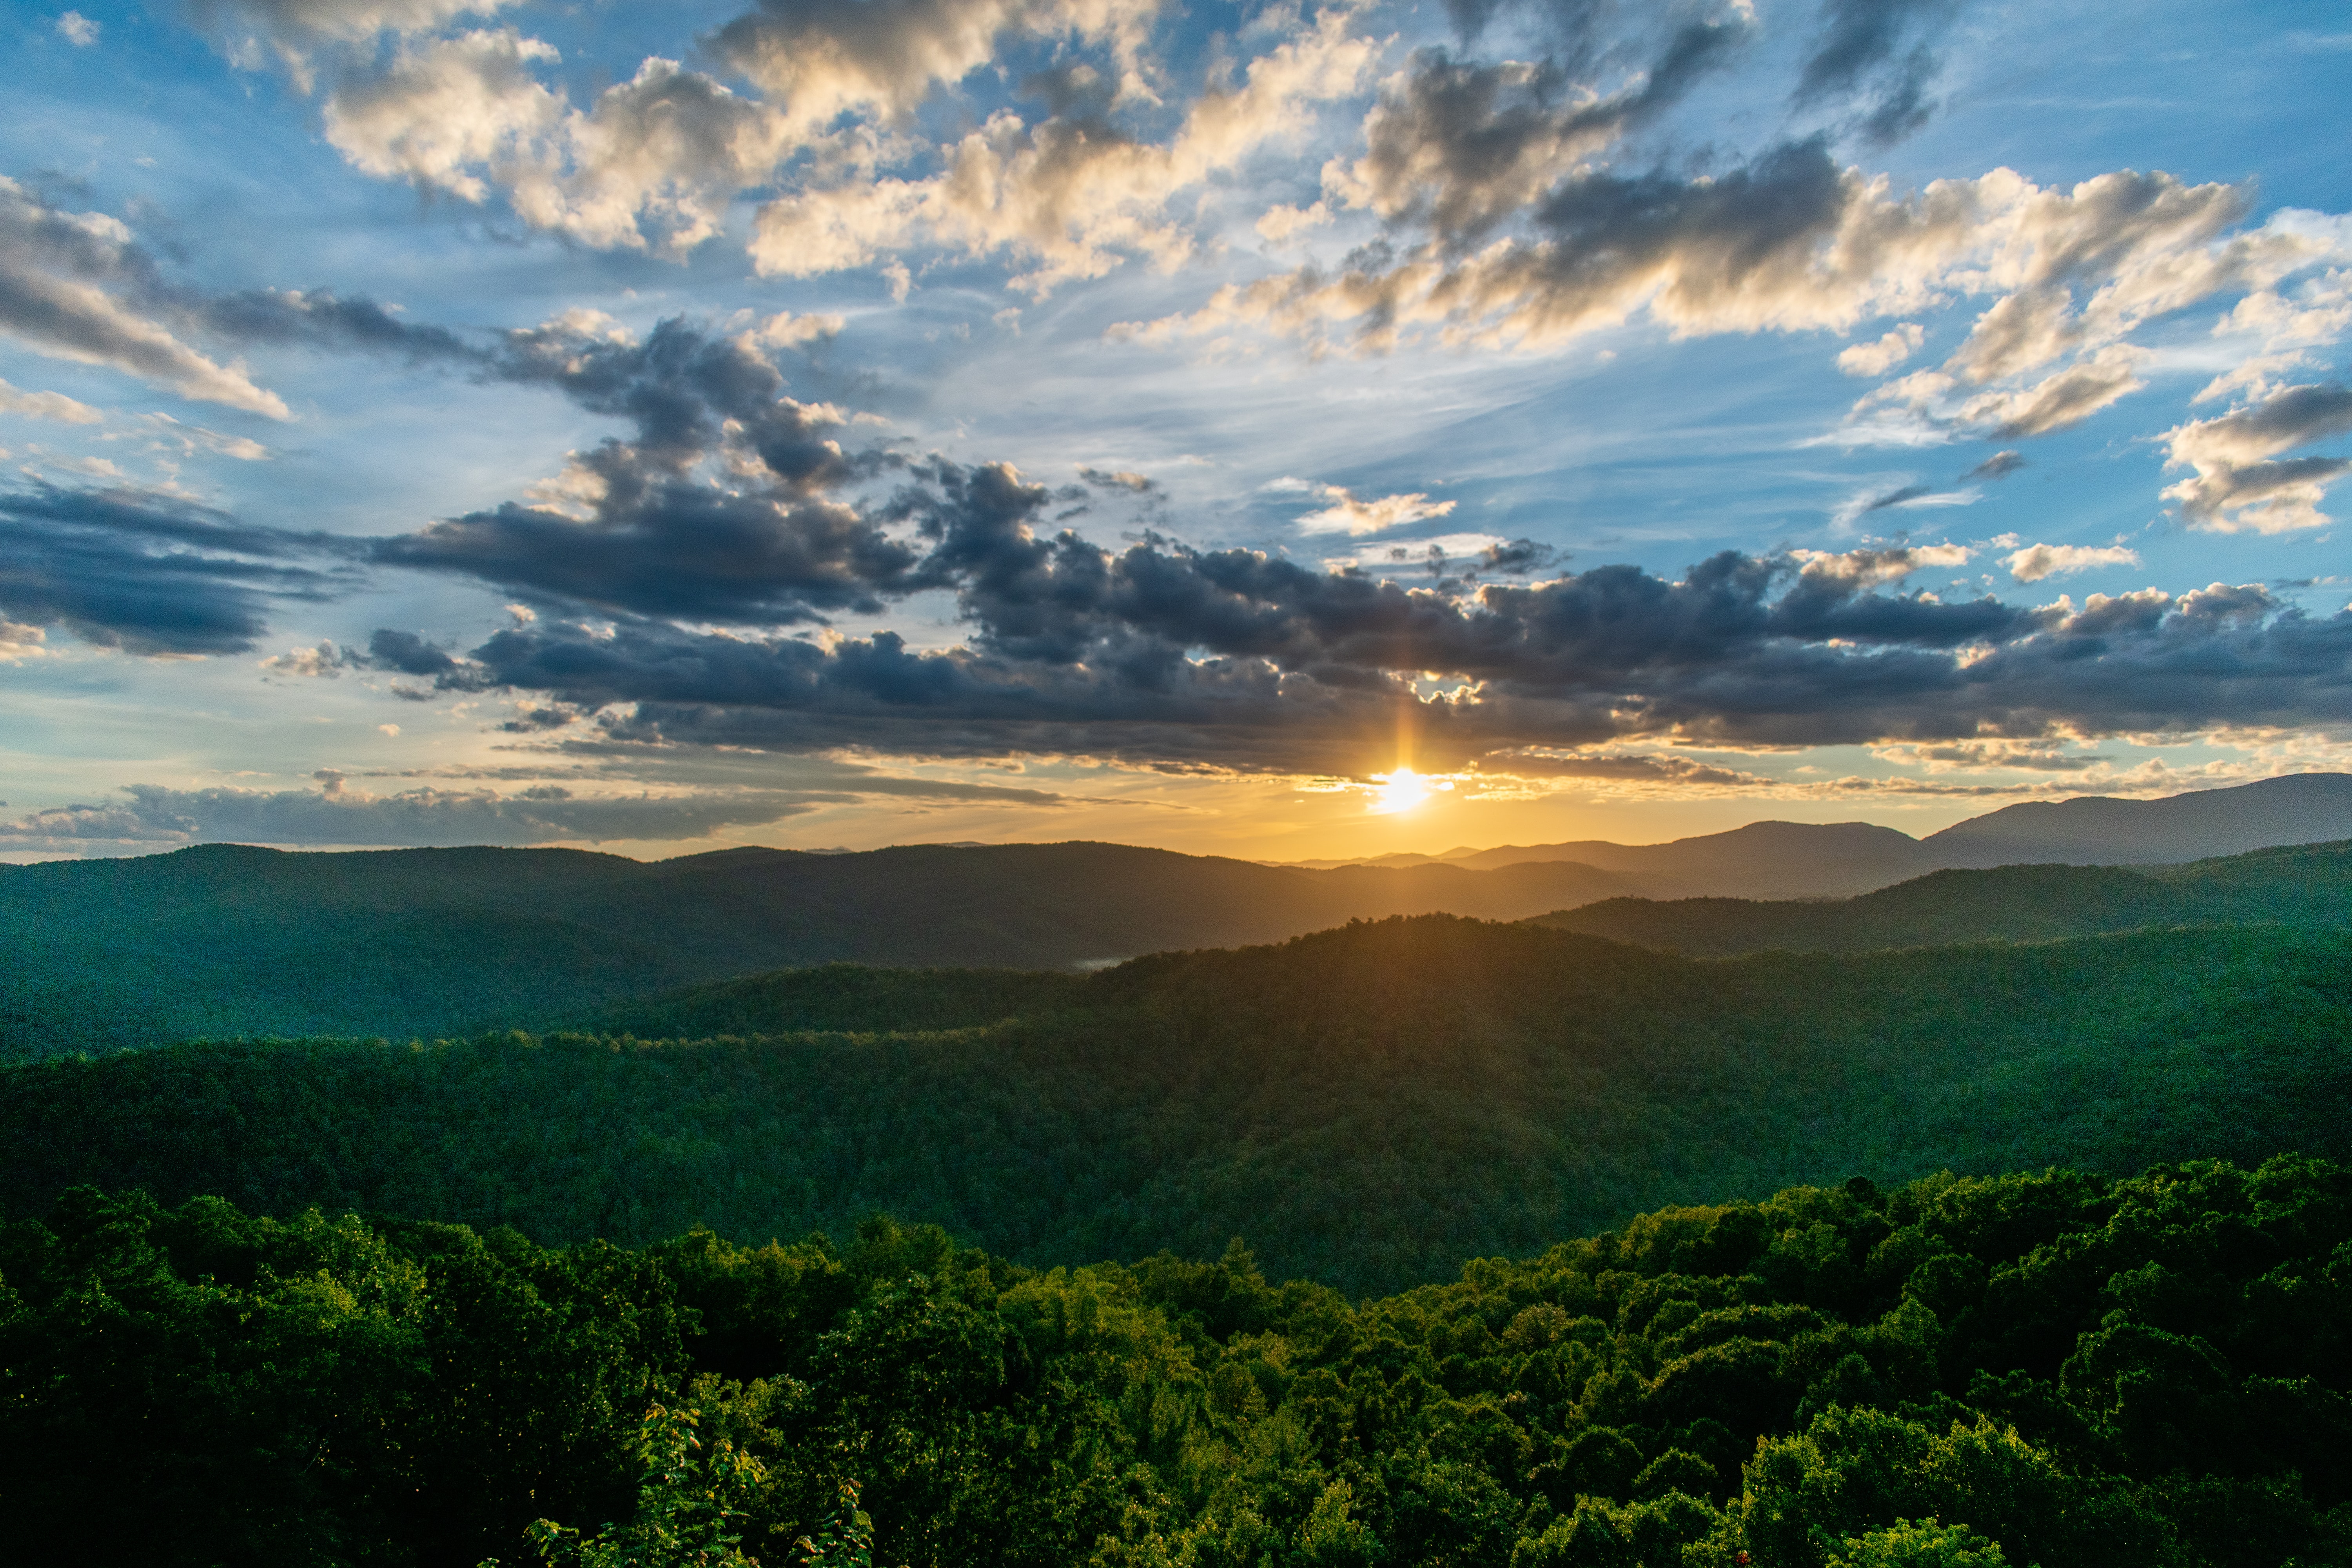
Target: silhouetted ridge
(2309,884)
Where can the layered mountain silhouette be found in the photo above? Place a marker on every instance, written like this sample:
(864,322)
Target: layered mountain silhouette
(1800,861)
(2302,885)
(225,940)
(230,939)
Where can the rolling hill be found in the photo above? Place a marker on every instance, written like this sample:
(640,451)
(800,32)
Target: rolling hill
(225,939)
(1368,1106)
(2305,885)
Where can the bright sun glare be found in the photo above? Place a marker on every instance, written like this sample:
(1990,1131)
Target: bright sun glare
(1400,791)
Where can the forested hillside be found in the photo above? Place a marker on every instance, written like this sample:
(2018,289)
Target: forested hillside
(1368,1106)
(1963,1372)
(227,940)
(2307,885)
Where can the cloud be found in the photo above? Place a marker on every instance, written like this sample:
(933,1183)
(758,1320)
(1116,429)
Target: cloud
(1070,196)
(883,58)
(2282,326)
(318,318)
(1161,655)
(18,641)
(654,162)
(56,270)
(2239,484)
(652,530)
(296,31)
(1460,146)
(1906,498)
(730,513)
(78,29)
(664,153)
(1348,514)
(1878,358)
(1872,566)
(324,661)
(1860,53)
(150,574)
(422,817)
(1999,466)
(581,805)
(1484,249)
(46,406)
(1118,478)
(1622,767)
(2036,561)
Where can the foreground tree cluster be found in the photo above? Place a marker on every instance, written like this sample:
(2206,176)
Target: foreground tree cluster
(2052,1369)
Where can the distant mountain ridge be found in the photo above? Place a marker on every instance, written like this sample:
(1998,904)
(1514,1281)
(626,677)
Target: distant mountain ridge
(228,940)
(225,939)
(2100,830)
(2307,885)
(1838,860)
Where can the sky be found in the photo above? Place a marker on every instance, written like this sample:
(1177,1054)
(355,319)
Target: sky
(1275,430)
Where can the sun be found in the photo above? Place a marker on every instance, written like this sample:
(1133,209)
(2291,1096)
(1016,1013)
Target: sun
(1400,791)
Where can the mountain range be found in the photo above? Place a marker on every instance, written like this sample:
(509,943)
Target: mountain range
(227,940)
(1798,860)
(2302,885)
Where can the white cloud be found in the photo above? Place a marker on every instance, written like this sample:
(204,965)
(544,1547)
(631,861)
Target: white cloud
(1878,358)
(1281,225)
(2036,561)
(326,662)
(2241,483)
(1460,551)
(656,160)
(1070,200)
(18,641)
(78,30)
(783,329)
(1872,566)
(295,31)
(190,439)
(54,270)
(46,406)
(1348,514)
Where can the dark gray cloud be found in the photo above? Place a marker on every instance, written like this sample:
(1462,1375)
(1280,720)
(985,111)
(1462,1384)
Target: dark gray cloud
(1517,558)
(1738,249)
(1894,497)
(78,285)
(1999,466)
(150,574)
(718,506)
(319,318)
(1460,146)
(1169,656)
(1881,55)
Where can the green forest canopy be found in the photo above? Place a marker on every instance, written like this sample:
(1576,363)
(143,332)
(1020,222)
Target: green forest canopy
(1369,1107)
(2050,1369)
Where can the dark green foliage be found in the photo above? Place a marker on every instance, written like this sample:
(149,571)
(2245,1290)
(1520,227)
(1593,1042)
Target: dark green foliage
(227,940)
(843,999)
(1957,1372)
(2306,885)
(1369,1106)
